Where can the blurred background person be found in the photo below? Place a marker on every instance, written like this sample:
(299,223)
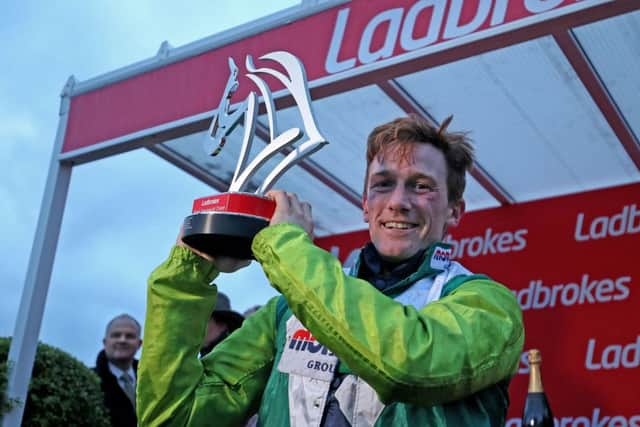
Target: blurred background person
(249,311)
(221,324)
(117,368)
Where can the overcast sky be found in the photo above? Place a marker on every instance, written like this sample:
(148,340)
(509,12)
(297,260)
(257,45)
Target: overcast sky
(122,213)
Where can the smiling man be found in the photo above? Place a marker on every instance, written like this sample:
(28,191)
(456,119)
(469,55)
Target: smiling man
(408,337)
(117,369)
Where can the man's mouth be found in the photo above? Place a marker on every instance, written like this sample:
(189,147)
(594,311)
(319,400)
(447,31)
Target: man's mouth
(396,225)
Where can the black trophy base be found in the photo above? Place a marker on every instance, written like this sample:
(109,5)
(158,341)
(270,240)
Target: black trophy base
(220,233)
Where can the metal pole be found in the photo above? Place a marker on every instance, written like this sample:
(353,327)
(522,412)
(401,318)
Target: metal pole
(34,294)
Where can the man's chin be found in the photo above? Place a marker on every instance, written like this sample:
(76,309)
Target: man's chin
(120,358)
(397,255)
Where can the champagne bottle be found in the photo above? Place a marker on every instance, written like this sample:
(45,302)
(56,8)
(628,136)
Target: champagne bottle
(537,412)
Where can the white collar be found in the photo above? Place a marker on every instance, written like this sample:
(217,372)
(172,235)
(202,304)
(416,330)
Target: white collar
(117,372)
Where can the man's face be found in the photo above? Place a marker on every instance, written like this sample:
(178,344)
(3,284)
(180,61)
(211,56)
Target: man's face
(122,340)
(406,203)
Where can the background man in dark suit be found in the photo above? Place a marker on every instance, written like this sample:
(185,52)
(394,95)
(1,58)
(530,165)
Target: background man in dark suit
(117,368)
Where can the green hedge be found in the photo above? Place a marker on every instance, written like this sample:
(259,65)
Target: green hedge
(62,392)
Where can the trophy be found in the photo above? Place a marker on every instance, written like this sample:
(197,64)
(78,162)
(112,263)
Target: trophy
(225,224)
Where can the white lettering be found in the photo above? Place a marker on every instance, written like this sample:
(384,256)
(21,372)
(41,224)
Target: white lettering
(634,215)
(407,42)
(488,244)
(613,361)
(613,356)
(475,15)
(603,293)
(631,354)
(618,223)
(596,420)
(618,421)
(453,29)
(519,237)
(539,6)
(475,246)
(626,221)
(598,228)
(570,294)
(332,65)
(499,12)
(210,202)
(589,291)
(394,18)
(578,236)
(589,360)
(581,421)
(624,290)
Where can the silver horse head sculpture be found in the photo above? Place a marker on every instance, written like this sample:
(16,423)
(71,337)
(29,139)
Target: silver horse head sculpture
(224,122)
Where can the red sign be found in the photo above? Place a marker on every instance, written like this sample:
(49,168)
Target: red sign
(362,34)
(572,263)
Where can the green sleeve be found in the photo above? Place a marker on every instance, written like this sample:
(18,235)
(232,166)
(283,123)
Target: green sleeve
(175,387)
(449,349)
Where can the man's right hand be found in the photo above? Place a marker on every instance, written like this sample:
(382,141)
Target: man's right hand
(224,264)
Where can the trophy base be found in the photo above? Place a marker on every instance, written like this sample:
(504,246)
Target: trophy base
(221,233)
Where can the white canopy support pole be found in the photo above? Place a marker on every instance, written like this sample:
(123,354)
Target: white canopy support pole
(34,294)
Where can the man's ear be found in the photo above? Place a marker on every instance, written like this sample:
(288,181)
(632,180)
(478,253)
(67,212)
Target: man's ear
(365,208)
(104,341)
(455,212)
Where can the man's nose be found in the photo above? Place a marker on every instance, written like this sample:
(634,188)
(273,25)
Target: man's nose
(399,198)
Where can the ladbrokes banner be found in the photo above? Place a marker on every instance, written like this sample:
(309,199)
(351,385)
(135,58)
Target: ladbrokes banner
(574,266)
(354,39)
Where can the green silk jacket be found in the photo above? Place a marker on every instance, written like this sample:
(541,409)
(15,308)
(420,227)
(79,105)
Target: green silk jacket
(446,363)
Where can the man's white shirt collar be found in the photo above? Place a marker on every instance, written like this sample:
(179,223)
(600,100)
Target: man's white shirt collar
(117,372)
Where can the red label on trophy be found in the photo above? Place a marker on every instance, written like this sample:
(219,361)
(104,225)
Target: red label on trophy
(239,203)
(225,224)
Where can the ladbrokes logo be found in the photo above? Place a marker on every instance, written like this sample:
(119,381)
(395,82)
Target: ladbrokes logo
(588,291)
(599,356)
(489,243)
(211,202)
(441,20)
(626,221)
(613,356)
(302,340)
(597,419)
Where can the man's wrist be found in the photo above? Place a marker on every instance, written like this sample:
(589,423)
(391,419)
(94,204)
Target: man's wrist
(187,258)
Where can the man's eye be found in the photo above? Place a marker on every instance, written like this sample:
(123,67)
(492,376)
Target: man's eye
(381,184)
(424,186)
